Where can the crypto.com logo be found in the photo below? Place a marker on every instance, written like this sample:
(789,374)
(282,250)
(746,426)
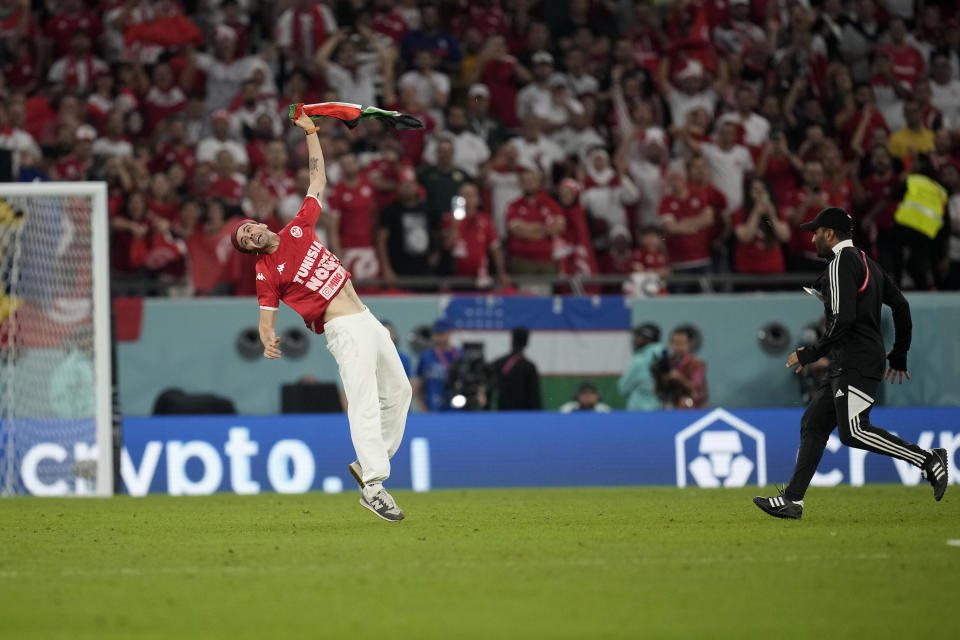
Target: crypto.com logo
(722,460)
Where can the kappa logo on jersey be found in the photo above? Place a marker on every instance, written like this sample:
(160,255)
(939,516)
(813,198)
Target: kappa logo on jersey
(260,276)
(281,266)
(726,457)
(296,232)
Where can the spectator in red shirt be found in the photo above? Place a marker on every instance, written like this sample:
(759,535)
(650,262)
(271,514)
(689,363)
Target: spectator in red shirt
(71,17)
(164,98)
(79,162)
(876,220)
(858,131)
(22,71)
(908,64)
(470,239)
(128,235)
(350,220)
(502,74)
(687,221)
(802,207)
(275,176)
(533,223)
(575,251)
(162,201)
(176,150)
(228,184)
(841,189)
(760,228)
(779,166)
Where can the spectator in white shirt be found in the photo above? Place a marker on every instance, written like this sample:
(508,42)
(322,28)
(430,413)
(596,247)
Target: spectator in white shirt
(538,90)
(469,150)
(302,28)
(535,149)
(578,136)
(209,148)
(225,72)
(113,143)
(730,163)
(432,86)
(353,80)
(756,128)
(606,190)
(576,74)
(559,107)
(243,121)
(946,90)
(694,89)
(77,70)
(646,170)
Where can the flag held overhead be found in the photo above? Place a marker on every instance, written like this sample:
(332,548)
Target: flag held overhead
(352,114)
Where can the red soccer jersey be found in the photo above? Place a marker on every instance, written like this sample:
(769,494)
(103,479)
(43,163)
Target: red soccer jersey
(354,206)
(476,235)
(877,188)
(301,272)
(281,186)
(907,63)
(541,209)
(169,155)
(228,189)
(781,176)
(692,249)
(60,28)
(762,255)
(841,195)
(498,76)
(801,242)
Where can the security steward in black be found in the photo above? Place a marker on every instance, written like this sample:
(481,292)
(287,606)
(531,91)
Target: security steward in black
(853,288)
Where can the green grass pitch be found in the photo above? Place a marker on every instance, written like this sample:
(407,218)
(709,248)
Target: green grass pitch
(871,562)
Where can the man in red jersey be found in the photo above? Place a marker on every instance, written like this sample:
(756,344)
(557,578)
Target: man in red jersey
(296,268)
(350,220)
(533,223)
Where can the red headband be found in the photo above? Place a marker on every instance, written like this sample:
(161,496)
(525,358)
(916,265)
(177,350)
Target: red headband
(233,234)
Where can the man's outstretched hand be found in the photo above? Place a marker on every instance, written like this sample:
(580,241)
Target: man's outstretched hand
(304,122)
(271,349)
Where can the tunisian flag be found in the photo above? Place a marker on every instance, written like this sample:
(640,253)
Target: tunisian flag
(352,114)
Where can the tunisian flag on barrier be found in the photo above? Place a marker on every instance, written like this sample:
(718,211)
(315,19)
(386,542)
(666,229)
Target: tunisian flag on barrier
(352,114)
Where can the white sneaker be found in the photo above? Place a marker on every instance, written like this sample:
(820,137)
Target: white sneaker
(383,505)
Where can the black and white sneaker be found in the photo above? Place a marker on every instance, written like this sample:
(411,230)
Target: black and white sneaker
(357,472)
(935,470)
(383,505)
(780,507)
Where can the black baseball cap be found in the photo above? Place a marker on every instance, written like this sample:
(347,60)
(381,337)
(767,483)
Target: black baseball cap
(649,331)
(830,218)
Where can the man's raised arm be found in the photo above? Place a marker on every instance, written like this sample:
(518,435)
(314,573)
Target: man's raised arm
(318,171)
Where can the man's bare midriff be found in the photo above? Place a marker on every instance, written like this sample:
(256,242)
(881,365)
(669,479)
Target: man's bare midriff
(345,303)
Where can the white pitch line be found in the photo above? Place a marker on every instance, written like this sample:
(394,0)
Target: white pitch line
(953,543)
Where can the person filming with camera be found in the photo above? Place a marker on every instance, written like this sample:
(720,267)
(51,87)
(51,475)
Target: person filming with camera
(760,229)
(681,377)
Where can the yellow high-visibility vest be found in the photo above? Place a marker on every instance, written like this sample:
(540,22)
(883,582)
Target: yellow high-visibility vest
(923,205)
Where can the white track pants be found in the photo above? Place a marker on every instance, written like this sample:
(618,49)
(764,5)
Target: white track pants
(377,389)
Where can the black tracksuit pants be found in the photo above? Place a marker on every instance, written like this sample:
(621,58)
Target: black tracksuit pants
(844,401)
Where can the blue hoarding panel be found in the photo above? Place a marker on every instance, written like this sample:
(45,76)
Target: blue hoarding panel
(717,448)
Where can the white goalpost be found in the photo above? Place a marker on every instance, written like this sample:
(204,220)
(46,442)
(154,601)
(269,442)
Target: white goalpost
(56,413)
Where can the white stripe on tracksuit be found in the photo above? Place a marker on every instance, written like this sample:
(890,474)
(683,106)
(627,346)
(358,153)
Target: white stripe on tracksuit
(833,275)
(877,442)
(377,389)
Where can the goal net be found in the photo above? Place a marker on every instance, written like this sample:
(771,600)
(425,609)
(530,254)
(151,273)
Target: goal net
(55,384)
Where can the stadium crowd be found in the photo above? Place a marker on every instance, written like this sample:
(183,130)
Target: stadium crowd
(561,137)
